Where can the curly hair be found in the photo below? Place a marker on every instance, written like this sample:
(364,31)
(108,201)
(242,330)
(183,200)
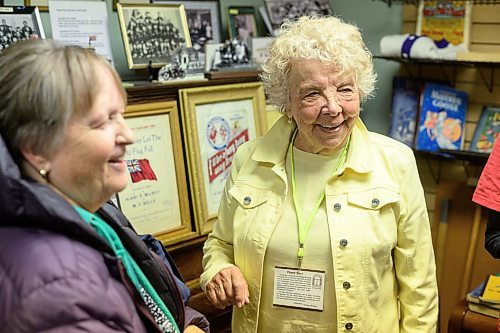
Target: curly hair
(327,39)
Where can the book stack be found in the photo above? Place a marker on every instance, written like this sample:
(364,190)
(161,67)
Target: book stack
(485,299)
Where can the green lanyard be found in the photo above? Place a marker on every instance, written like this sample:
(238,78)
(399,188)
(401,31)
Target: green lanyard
(305,227)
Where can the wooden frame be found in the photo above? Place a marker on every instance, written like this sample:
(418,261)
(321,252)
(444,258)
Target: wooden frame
(129,2)
(18,23)
(156,198)
(450,20)
(143,47)
(241,23)
(216,120)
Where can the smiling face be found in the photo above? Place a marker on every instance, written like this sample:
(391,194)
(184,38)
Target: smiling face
(324,104)
(89,166)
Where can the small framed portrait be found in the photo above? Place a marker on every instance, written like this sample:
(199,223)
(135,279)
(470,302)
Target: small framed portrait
(156,198)
(280,11)
(260,49)
(216,121)
(19,23)
(242,23)
(152,33)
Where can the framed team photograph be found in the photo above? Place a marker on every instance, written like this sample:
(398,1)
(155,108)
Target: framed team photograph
(241,23)
(156,199)
(216,121)
(19,23)
(152,33)
(280,11)
(133,2)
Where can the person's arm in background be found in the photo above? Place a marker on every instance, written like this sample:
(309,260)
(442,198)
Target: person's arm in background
(487,194)
(492,234)
(414,256)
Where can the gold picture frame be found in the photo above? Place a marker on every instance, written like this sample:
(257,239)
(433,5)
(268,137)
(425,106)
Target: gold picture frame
(152,32)
(443,19)
(156,198)
(216,120)
(135,2)
(43,5)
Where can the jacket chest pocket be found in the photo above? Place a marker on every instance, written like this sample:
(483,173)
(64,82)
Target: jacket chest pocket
(250,201)
(376,213)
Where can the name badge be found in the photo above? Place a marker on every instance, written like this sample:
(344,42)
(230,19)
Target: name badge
(299,289)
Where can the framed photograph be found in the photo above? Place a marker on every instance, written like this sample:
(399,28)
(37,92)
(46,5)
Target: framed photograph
(152,33)
(486,131)
(444,19)
(130,2)
(19,23)
(260,49)
(156,199)
(216,121)
(241,23)
(203,22)
(280,11)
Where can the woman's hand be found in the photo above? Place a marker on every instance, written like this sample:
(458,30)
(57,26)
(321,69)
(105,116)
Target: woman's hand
(228,287)
(193,329)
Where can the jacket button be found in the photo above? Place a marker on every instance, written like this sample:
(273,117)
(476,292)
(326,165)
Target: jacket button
(337,207)
(247,201)
(346,285)
(375,202)
(343,242)
(348,326)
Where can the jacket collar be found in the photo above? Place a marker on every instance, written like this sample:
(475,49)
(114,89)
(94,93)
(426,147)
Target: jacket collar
(274,146)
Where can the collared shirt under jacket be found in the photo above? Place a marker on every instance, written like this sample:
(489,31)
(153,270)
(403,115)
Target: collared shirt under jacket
(380,232)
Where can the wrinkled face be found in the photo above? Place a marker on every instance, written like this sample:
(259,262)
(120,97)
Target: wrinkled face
(324,104)
(89,167)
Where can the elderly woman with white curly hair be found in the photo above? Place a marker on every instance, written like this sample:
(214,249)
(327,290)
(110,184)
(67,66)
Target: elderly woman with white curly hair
(322,225)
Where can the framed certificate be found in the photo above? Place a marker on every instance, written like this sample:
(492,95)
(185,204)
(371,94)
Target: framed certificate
(156,200)
(216,121)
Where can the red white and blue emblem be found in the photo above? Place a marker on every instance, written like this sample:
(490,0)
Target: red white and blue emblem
(218,133)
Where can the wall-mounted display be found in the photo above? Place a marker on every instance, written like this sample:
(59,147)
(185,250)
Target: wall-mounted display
(152,33)
(280,11)
(156,199)
(19,23)
(216,121)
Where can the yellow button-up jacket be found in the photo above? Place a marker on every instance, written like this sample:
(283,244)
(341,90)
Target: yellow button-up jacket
(379,232)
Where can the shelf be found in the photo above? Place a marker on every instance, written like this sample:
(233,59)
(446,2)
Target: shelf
(480,65)
(454,155)
(415,2)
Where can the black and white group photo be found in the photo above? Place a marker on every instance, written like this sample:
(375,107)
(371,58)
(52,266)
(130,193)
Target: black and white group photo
(14,28)
(154,36)
(280,11)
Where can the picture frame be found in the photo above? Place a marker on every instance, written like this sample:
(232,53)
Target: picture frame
(43,5)
(260,49)
(487,130)
(156,198)
(19,23)
(280,11)
(242,24)
(440,19)
(129,2)
(216,120)
(152,41)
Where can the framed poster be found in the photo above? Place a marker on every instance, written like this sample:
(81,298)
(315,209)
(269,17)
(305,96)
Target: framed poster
(216,121)
(280,11)
(242,23)
(156,200)
(19,23)
(152,33)
(445,19)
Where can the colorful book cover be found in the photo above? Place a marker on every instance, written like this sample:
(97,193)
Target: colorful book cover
(442,118)
(487,130)
(404,111)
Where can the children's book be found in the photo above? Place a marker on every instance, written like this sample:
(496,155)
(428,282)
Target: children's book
(404,111)
(442,118)
(487,130)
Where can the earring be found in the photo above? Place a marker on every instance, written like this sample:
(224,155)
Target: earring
(43,173)
(289,121)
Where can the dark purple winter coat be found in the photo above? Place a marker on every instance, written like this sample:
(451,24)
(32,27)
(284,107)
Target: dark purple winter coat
(58,275)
